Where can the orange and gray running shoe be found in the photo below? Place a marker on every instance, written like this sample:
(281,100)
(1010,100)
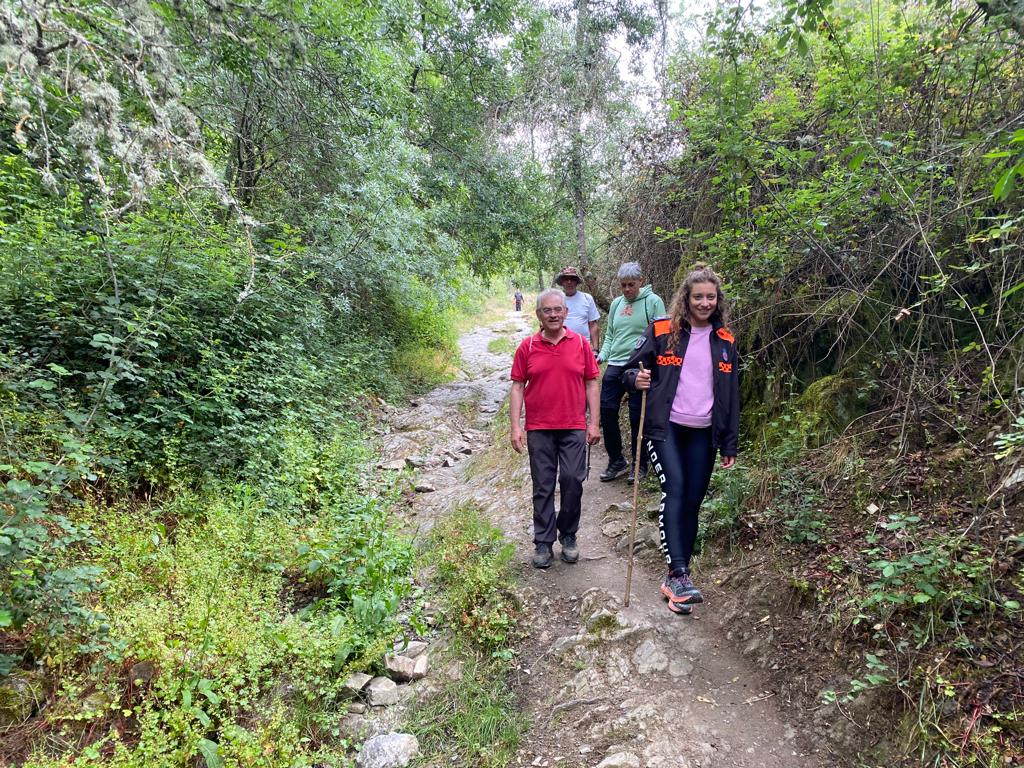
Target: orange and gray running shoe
(680,590)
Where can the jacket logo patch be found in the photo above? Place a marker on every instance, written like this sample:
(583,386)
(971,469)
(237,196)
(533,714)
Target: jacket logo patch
(669,360)
(639,343)
(725,367)
(661,327)
(724,335)
(725,354)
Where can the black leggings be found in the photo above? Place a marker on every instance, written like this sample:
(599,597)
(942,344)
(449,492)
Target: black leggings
(683,462)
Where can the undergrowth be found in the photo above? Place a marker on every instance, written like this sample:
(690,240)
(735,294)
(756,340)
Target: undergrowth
(474,720)
(916,582)
(232,618)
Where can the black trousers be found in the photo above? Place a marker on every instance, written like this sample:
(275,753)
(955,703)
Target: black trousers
(612,390)
(683,462)
(556,454)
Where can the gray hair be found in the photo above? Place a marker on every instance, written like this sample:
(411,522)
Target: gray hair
(550,292)
(631,270)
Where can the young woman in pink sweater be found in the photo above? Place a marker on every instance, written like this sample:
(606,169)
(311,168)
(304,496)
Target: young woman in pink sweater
(691,370)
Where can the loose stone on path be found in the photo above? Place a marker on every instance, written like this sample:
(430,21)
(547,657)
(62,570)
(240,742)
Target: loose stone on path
(390,750)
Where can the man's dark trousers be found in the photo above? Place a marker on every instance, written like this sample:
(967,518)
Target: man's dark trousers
(561,453)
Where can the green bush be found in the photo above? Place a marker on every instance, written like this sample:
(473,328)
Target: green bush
(472,559)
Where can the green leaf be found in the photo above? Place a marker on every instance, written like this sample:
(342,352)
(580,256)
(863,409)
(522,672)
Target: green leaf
(6,620)
(857,161)
(205,687)
(211,753)
(801,45)
(1004,186)
(921,597)
(1010,291)
(1011,605)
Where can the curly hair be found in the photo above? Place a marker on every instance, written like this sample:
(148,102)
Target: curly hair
(679,309)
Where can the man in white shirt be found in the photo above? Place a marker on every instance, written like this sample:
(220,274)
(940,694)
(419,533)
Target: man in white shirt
(583,314)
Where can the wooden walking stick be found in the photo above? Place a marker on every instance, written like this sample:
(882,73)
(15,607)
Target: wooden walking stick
(636,491)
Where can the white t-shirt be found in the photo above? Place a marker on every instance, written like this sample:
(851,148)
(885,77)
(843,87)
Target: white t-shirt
(582,310)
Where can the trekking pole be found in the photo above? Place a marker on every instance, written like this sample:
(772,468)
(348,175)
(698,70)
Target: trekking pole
(636,491)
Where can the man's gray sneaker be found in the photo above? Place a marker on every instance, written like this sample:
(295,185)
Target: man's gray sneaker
(542,556)
(615,470)
(570,552)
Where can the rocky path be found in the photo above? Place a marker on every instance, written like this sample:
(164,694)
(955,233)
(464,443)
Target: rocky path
(605,685)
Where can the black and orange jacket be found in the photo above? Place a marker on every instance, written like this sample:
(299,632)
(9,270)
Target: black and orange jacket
(665,364)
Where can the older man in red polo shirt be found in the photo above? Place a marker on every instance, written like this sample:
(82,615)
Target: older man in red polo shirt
(555,373)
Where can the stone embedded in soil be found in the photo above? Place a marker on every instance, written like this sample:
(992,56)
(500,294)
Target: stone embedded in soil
(597,598)
(424,488)
(382,692)
(356,708)
(646,538)
(648,658)
(405,669)
(415,461)
(614,528)
(412,649)
(389,750)
(142,672)
(395,464)
(620,760)
(618,509)
(357,681)
(680,667)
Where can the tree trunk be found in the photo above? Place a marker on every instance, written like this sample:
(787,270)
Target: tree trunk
(577,169)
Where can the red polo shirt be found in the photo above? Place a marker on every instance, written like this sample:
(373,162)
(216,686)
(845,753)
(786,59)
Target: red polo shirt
(554,374)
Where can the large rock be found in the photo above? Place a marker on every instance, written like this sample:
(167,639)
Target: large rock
(412,649)
(617,510)
(405,670)
(390,750)
(620,760)
(20,694)
(614,528)
(356,682)
(648,657)
(382,692)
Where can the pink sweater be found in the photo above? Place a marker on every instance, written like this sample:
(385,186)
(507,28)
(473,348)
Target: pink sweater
(695,395)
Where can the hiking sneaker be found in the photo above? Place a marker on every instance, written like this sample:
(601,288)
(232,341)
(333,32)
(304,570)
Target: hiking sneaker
(631,478)
(542,556)
(680,609)
(570,552)
(679,588)
(615,470)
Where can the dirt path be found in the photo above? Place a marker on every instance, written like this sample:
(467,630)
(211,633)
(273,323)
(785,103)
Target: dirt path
(605,685)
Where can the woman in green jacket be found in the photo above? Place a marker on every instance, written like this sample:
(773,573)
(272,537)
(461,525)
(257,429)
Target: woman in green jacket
(628,317)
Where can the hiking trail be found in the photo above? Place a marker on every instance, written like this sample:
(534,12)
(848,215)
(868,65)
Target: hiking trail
(603,685)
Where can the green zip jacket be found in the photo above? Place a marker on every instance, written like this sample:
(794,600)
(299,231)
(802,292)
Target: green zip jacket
(626,321)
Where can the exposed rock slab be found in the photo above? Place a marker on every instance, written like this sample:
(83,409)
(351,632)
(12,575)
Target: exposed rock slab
(389,750)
